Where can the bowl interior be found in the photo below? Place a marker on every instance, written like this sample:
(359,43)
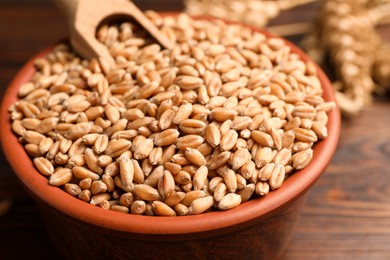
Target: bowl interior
(254,209)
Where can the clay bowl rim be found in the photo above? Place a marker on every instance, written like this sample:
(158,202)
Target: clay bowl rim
(250,211)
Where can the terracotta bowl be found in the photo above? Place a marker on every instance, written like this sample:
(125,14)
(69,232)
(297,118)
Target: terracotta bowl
(257,229)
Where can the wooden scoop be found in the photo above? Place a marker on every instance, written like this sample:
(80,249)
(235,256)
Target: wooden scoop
(84,16)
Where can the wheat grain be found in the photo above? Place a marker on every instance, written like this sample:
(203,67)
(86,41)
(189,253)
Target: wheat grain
(202,127)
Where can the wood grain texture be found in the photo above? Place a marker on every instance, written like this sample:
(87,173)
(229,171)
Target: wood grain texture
(347,214)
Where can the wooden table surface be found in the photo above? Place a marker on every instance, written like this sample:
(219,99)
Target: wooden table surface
(347,215)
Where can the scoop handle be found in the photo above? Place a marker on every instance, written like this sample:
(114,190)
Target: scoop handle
(68,8)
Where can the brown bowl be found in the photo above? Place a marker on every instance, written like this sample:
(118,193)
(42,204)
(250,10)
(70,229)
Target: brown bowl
(257,229)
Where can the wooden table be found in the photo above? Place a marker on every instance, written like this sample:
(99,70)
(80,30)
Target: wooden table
(347,215)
